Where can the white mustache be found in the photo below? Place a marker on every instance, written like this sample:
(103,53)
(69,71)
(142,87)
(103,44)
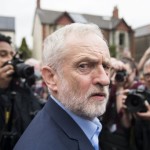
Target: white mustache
(95,91)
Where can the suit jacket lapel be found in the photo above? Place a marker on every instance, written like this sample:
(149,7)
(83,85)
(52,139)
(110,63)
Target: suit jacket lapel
(63,120)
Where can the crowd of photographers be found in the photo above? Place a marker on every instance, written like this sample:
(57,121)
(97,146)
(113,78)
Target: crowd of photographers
(126,123)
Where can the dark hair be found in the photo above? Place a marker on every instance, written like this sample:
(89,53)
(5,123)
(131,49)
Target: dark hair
(5,38)
(129,61)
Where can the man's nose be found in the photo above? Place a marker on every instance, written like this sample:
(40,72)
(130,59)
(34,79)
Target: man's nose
(101,77)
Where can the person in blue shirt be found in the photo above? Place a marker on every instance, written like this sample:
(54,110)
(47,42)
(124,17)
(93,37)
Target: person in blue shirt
(76,70)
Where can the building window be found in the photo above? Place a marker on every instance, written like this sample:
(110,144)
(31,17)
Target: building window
(121,39)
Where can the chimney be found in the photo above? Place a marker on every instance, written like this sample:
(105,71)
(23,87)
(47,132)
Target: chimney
(115,12)
(38,4)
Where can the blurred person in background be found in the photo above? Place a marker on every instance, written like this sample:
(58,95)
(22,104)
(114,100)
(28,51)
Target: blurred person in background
(142,119)
(18,105)
(41,91)
(39,87)
(117,120)
(146,74)
(127,119)
(143,59)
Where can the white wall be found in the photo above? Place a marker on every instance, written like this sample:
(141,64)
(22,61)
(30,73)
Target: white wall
(37,39)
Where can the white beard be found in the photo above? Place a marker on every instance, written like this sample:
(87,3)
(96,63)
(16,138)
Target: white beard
(80,103)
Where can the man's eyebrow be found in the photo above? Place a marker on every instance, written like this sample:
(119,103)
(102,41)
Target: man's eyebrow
(107,61)
(2,50)
(87,58)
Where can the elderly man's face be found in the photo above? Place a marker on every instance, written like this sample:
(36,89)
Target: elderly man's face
(84,77)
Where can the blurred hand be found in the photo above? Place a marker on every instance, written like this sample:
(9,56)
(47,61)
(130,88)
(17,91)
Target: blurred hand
(5,75)
(144,58)
(121,96)
(145,115)
(147,52)
(117,64)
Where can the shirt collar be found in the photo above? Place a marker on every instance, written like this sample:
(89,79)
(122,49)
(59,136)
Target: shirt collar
(89,127)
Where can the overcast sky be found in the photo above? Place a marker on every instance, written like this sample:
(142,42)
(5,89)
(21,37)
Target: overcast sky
(135,12)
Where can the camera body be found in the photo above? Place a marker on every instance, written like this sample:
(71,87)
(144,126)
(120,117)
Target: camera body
(120,75)
(135,100)
(21,69)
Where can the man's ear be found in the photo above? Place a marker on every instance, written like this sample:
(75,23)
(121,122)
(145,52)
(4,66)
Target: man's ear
(50,78)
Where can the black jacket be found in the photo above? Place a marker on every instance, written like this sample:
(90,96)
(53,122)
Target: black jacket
(53,129)
(18,106)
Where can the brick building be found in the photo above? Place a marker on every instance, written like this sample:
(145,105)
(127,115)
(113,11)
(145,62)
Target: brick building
(116,31)
(142,40)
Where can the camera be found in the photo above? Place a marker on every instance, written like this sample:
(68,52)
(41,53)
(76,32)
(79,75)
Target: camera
(120,75)
(135,100)
(21,69)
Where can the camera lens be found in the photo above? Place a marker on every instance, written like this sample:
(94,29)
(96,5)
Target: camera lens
(135,102)
(120,75)
(24,70)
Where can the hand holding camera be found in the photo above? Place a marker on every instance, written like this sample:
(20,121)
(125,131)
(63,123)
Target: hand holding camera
(6,71)
(136,98)
(145,115)
(120,75)
(20,68)
(5,75)
(121,96)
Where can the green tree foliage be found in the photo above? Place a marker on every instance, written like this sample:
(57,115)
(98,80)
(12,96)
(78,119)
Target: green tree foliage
(24,50)
(112,49)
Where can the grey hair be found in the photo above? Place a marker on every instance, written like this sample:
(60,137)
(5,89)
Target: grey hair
(55,44)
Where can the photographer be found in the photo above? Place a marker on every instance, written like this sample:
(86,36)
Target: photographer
(142,119)
(18,105)
(137,103)
(117,121)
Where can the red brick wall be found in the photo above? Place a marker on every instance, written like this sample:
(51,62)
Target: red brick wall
(116,12)
(122,27)
(132,45)
(44,31)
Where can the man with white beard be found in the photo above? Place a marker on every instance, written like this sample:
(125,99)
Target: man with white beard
(76,70)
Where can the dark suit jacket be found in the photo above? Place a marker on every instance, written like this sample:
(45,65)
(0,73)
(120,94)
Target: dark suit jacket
(53,129)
